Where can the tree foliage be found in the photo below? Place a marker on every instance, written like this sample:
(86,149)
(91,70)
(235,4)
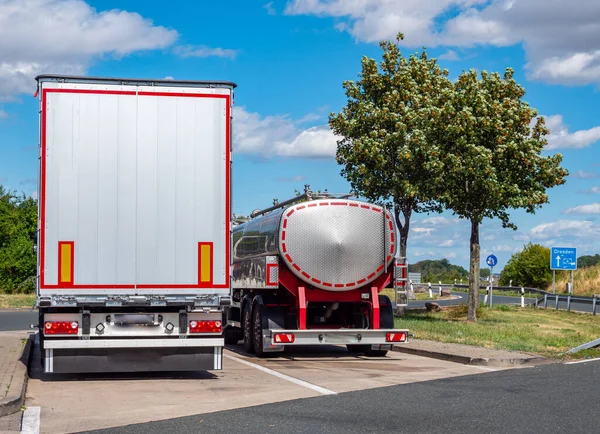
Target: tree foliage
(491,145)
(438,270)
(588,261)
(529,267)
(384,150)
(18,222)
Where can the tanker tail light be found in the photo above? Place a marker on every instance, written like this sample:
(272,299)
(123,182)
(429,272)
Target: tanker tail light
(284,338)
(395,337)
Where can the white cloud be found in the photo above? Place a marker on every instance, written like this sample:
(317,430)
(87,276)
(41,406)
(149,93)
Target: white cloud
(204,51)
(168,77)
(298,178)
(562,42)
(64,37)
(449,55)
(451,255)
(502,248)
(280,136)
(270,9)
(560,137)
(592,208)
(3,114)
(584,175)
(593,190)
(422,230)
(446,243)
(565,229)
(34,195)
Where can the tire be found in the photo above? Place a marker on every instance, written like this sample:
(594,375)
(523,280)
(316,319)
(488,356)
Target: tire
(232,335)
(386,321)
(354,348)
(247,330)
(257,330)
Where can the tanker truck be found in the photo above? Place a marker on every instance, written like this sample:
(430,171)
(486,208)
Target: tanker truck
(309,271)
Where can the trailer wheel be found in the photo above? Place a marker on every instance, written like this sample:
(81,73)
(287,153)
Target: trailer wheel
(386,321)
(354,348)
(247,331)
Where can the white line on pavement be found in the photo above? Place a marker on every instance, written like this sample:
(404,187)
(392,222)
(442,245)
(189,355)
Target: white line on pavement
(302,383)
(582,361)
(30,423)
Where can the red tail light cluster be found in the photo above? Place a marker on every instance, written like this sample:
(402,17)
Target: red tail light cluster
(284,338)
(395,337)
(61,327)
(205,326)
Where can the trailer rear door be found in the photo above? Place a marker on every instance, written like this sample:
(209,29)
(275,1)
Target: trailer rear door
(134,188)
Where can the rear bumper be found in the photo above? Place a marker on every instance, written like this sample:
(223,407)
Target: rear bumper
(338,336)
(132,355)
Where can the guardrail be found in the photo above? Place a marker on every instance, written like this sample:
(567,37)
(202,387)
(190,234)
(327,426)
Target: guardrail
(541,296)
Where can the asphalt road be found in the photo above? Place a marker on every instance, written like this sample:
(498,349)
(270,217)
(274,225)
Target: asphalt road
(554,398)
(18,319)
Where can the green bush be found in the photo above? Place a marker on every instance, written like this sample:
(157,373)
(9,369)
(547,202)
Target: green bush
(530,267)
(18,222)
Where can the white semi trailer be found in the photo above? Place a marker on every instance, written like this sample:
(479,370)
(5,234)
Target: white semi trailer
(134,250)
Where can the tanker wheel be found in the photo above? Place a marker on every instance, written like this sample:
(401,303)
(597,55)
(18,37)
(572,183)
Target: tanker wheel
(232,335)
(386,321)
(257,325)
(247,332)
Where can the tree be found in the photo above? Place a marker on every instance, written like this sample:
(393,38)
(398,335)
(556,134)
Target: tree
(588,260)
(18,223)
(383,147)
(529,267)
(491,144)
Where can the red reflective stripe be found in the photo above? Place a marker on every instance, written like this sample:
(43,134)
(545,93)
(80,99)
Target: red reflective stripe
(327,284)
(305,274)
(284,248)
(284,223)
(339,203)
(316,280)
(312,204)
(361,281)
(375,301)
(391,226)
(354,204)
(365,206)
(339,285)
(283,235)
(380,268)
(350,284)
(290,213)
(289,258)
(296,267)
(301,207)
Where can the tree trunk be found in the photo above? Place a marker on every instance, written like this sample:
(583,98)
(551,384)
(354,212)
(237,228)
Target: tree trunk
(403,228)
(474,272)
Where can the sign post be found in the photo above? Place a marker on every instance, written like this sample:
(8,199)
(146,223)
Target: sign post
(491,260)
(563,258)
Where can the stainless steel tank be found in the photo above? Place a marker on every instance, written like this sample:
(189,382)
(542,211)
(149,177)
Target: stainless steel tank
(331,244)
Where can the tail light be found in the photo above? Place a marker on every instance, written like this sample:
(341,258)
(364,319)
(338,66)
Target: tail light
(284,338)
(395,337)
(61,327)
(205,326)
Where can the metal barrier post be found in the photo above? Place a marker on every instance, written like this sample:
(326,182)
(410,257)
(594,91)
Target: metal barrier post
(545,301)
(557,302)
(568,303)
(594,306)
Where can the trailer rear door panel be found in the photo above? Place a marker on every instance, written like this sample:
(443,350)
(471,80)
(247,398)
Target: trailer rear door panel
(135,190)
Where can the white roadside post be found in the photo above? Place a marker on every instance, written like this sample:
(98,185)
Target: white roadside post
(430,293)
(440,283)
(522,297)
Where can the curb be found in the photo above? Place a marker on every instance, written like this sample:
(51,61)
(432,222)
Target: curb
(477,361)
(18,386)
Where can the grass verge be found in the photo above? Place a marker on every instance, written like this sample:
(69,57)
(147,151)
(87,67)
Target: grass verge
(549,333)
(13,301)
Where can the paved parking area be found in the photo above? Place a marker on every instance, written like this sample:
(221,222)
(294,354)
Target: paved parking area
(86,402)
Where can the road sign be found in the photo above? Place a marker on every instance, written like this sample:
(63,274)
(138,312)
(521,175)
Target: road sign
(491,261)
(563,258)
(414,277)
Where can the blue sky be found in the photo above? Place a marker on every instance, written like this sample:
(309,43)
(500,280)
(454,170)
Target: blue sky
(289,59)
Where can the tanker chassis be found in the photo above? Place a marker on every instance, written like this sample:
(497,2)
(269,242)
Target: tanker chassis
(308,271)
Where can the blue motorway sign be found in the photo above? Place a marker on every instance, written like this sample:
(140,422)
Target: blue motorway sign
(563,258)
(491,261)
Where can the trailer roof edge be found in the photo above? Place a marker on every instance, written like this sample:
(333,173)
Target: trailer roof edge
(51,77)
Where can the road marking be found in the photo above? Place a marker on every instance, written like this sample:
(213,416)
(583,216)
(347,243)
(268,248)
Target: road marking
(30,423)
(582,361)
(302,383)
